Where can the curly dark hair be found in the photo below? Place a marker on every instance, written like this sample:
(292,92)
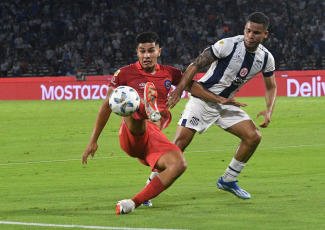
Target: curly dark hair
(147,37)
(259,18)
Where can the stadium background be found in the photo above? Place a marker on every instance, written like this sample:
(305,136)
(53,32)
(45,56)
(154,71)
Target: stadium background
(43,185)
(60,38)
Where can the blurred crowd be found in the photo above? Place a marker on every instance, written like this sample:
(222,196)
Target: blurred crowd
(62,38)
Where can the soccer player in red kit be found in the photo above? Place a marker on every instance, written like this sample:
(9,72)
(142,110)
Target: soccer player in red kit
(140,134)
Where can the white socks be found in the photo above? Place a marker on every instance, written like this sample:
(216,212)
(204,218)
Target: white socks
(233,170)
(152,175)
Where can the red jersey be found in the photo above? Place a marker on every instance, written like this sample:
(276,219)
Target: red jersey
(134,76)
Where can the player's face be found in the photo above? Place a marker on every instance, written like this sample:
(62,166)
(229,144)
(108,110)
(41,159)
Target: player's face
(148,54)
(254,35)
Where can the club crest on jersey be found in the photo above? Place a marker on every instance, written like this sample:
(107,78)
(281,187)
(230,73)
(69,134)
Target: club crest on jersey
(221,42)
(168,84)
(243,72)
(258,64)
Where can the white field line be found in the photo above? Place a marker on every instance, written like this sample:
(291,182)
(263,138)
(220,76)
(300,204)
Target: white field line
(271,147)
(199,151)
(66,160)
(77,226)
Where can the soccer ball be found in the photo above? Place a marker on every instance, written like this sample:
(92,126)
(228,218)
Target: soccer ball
(124,101)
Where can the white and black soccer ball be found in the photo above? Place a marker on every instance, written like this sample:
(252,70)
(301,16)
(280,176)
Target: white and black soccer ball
(124,101)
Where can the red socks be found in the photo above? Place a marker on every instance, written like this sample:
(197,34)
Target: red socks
(153,189)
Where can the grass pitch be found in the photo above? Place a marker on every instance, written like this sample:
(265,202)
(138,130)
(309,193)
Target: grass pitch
(42,180)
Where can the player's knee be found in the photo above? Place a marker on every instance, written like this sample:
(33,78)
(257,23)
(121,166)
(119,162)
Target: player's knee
(182,166)
(178,165)
(255,138)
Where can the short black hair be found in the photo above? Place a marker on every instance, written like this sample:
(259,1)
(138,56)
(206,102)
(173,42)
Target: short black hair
(147,37)
(259,18)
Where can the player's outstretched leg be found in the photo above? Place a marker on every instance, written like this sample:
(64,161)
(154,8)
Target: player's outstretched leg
(250,139)
(172,165)
(150,100)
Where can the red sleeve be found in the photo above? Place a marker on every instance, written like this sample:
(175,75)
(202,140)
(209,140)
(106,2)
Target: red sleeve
(117,79)
(175,73)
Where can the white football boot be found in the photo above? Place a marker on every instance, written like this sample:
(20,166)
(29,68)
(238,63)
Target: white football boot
(124,207)
(150,101)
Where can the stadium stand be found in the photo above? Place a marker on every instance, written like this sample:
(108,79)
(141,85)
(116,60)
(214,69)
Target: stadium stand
(60,38)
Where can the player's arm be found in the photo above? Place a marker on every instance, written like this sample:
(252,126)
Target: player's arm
(200,91)
(102,118)
(202,61)
(270,97)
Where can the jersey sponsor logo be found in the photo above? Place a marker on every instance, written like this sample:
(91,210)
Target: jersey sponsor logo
(243,72)
(194,121)
(168,84)
(142,85)
(258,64)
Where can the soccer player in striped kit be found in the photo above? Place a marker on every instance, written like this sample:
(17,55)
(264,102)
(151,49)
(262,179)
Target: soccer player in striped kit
(233,62)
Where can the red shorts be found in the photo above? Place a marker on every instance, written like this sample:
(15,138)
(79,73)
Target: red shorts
(149,147)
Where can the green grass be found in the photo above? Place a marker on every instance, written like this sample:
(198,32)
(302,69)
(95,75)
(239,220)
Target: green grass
(285,176)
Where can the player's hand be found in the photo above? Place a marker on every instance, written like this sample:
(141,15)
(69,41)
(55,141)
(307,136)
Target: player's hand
(90,150)
(174,97)
(267,118)
(231,101)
